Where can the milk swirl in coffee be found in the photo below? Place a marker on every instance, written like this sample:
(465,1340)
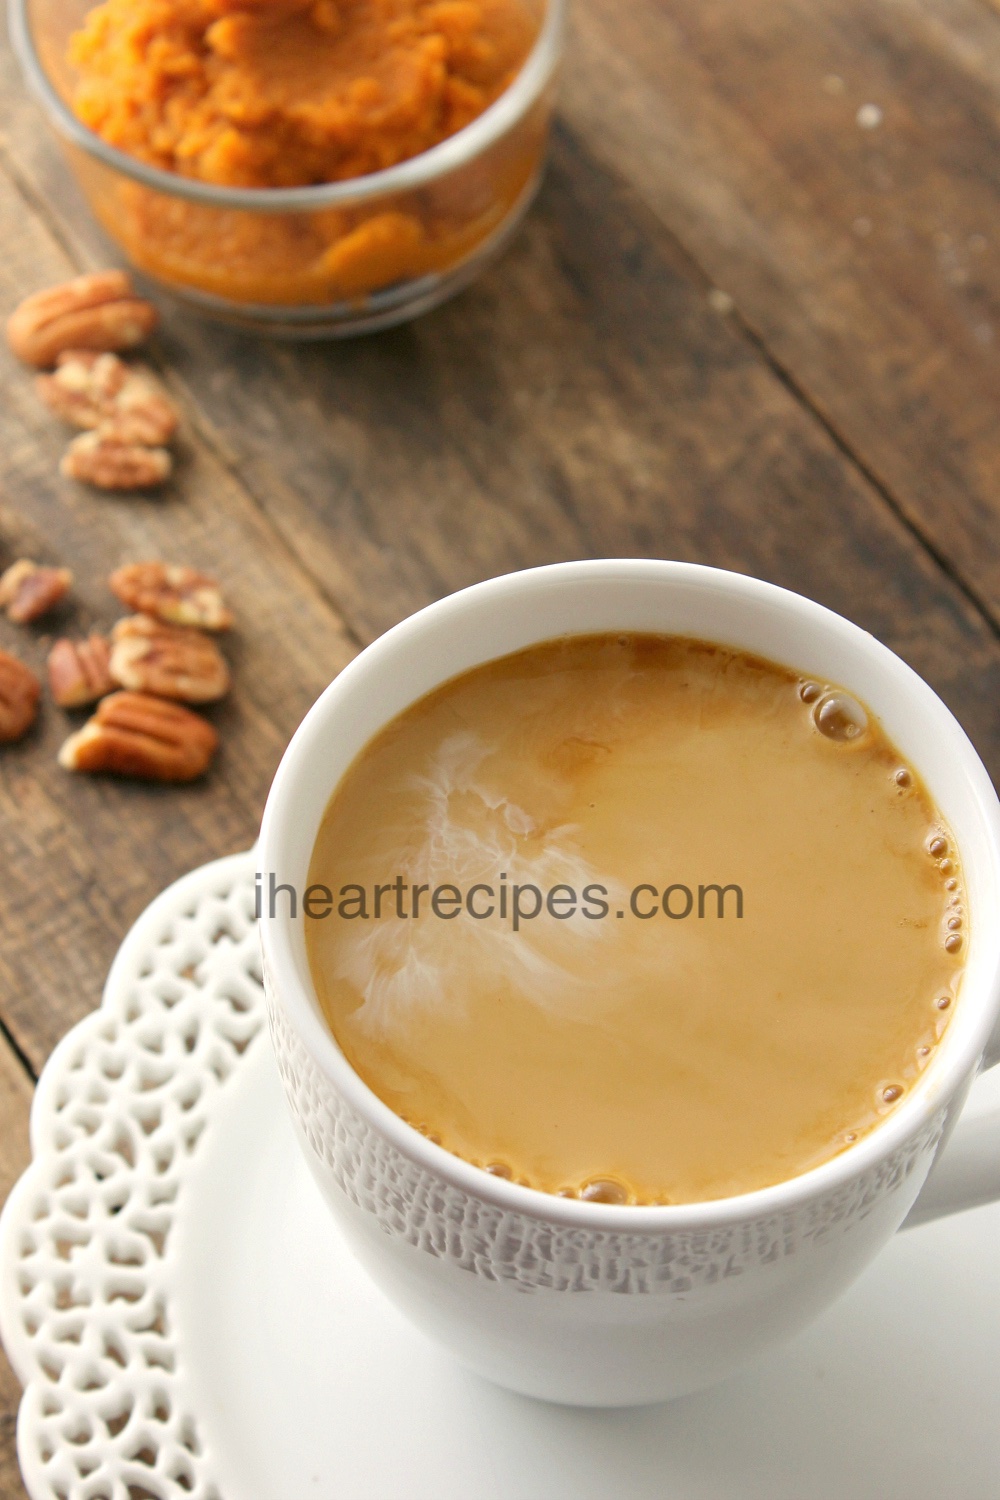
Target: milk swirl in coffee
(637,918)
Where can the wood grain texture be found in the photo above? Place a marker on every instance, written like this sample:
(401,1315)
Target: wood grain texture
(583,399)
(82,856)
(866,260)
(15,1099)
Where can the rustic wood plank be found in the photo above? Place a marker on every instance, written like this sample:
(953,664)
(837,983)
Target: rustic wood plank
(15,1100)
(80,856)
(867,260)
(11,1487)
(583,398)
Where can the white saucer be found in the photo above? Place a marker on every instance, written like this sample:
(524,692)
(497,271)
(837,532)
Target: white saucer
(256,1362)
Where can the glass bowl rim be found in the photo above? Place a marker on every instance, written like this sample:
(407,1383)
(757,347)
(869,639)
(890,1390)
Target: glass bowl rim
(457,151)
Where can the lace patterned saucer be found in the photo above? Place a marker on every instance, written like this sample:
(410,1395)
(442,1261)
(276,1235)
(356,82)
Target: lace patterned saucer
(187,1324)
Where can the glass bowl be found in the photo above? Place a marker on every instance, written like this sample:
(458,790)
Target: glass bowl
(309,262)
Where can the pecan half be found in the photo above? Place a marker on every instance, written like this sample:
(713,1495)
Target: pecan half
(100,311)
(78,671)
(101,460)
(132,734)
(126,402)
(19,693)
(28,591)
(181,596)
(172,661)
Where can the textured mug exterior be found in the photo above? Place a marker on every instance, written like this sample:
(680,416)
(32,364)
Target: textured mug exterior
(599,1317)
(593,1304)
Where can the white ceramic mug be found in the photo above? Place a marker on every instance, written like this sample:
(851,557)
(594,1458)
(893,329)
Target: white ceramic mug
(585,1302)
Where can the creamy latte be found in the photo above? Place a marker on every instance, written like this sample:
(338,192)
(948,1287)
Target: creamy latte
(637,919)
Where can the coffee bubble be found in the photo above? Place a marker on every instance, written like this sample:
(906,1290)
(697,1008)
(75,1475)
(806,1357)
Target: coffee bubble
(953,942)
(943,1002)
(903,777)
(604,1190)
(840,717)
(955,922)
(892,1092)
(498,1169)
(809,691)
(938,846)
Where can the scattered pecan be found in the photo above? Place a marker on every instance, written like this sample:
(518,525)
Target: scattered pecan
(27,591)
(78,672)
(100,312)
(19,692)
(181,596)
(172,661)
(101,460)
(126,402)
(132,734)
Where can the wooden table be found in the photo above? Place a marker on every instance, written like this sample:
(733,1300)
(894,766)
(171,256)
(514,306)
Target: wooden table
(739,327)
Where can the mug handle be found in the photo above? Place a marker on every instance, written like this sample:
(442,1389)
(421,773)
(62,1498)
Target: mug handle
(967,1173)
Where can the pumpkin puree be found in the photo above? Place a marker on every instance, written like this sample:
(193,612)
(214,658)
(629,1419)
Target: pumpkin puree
(289,93)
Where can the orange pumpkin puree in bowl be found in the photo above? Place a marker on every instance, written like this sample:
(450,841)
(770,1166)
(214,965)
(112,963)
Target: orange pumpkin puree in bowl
(293,93)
